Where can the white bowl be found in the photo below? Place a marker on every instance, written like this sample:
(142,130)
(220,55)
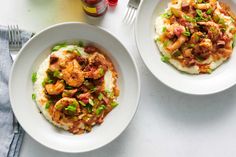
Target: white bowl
(21,88)
(221,79)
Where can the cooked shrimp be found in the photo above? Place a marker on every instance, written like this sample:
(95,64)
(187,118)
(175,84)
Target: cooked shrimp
(203,6)
(213,30)
(55,89)
(72,74)
(59,108)
(57,63)
(177,44)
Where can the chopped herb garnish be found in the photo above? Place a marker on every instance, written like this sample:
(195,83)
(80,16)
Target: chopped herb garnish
(187,33)
(199,1)
(109,93)
(34,96)
(71,108)
(166,43)
(167,15)
(100,96)
(100,109)
(89,108)
(81,44)
(191,45)
(165,59)
(34,77)
(209,11)
(68,87)
(199,12)
(164,29)
(59,46)
(58,106)
(157,39)
(56,73)
(189,19)
(114,104)
(47,105)
(82,103)
(91,102)
(101,71)
(176,53)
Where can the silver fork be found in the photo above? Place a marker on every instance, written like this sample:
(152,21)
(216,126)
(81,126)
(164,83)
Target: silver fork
(131,11)
(14,35)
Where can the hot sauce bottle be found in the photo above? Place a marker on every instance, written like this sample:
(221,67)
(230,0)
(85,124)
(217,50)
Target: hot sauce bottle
(95,8)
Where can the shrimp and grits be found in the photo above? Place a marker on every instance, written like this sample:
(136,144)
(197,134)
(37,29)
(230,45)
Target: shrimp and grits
(196,36)
(75,87)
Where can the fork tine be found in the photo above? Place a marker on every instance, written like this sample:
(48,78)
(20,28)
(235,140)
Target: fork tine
(127,15)
(18,36)
(131,15)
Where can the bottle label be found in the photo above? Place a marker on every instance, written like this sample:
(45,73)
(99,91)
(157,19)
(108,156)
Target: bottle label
(99,8)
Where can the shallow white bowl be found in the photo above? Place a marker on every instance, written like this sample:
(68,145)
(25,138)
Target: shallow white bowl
(21,88)
(221,79)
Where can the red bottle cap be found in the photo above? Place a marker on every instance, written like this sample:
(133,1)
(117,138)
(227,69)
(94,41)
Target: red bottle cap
(112,2)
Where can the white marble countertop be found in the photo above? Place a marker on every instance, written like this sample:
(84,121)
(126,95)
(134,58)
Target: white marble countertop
(167,123)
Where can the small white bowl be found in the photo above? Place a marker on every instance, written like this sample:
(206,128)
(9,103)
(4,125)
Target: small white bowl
(221,79)
(21,88)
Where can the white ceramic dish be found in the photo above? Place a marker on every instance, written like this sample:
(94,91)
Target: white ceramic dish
(221,79)
(21,88)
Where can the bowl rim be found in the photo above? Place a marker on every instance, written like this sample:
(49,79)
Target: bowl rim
(117,40)
(153,72)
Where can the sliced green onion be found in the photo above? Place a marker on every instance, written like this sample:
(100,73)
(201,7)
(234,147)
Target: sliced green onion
(71,108)
(187,33)
(101,71)
(56,73)
(47,105)
(82,103)
(100,109)
(91,102)
(165,59)
(114,104)
(34,77)
(34,96)
(199,12)
(164,29)
(167,15)
(81,44)
(188,18)
(58,106)
(209,11)
(100,96)
(59,46)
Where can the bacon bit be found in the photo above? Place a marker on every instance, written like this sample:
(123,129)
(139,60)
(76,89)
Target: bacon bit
(84,97)
(178,31)
(225,38)
(220,44)
(90,49)
(185,6)
(106,100)
(53,59)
